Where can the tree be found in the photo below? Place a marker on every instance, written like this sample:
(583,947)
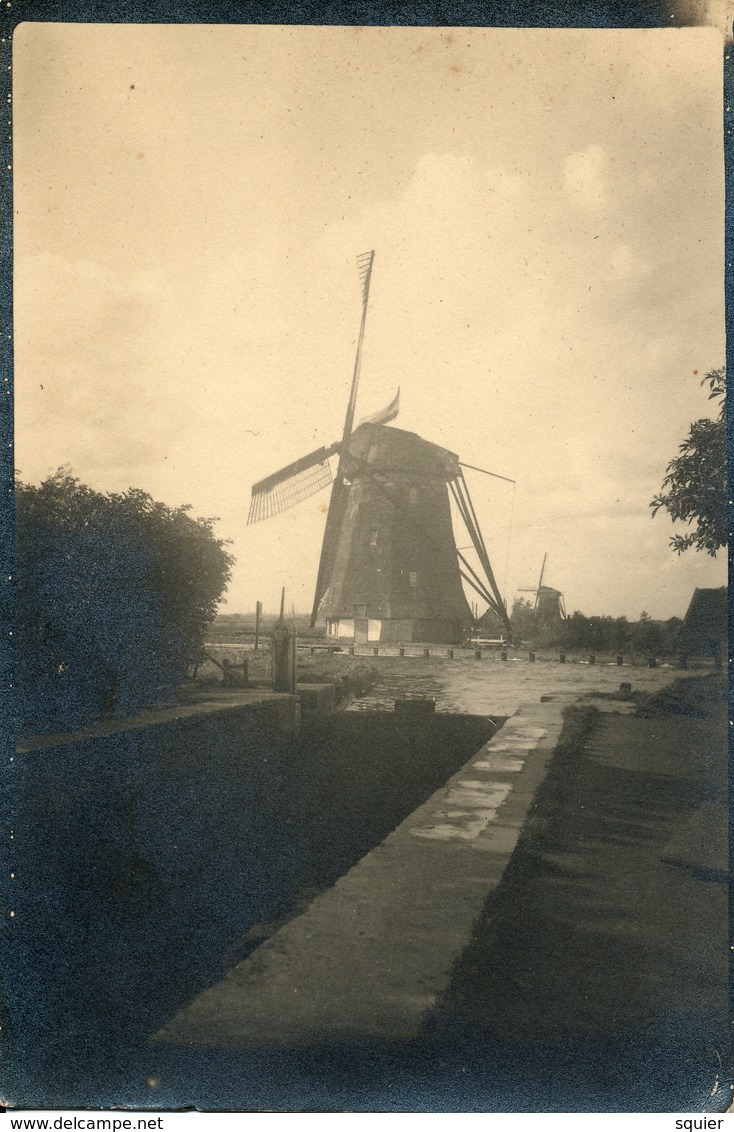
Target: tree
(694,488)
(671,631)
(621,634)
(523,619)
(647,636)
(578,634)
(114,594)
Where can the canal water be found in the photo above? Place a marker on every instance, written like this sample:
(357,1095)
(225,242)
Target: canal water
(490,686)
(464,684)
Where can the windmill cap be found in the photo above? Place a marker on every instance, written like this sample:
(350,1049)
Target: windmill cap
(381,447)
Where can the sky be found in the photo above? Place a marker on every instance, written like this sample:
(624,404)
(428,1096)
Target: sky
(546,210)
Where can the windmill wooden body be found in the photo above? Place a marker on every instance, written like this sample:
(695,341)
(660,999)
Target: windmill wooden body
(390,569)
(395,575)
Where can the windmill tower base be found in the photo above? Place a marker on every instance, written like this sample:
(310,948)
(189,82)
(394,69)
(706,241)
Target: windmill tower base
(394,631)
(395,576)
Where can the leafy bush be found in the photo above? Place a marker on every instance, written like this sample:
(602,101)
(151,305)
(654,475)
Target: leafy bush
(114,593)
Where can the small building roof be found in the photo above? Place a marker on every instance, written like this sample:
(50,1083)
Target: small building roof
(704,628)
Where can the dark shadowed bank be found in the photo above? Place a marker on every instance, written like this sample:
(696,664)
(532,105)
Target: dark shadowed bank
(595,980)
(155,858)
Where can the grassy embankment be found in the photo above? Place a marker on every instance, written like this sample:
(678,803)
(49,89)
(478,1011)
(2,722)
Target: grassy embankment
(605,944)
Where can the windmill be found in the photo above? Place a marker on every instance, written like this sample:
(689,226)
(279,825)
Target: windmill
(549,604)
(390,569)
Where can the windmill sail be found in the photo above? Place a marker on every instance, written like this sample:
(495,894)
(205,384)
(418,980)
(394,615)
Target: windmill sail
(364,266)
(291,484)
(389,413)
(486,586)
(338,500)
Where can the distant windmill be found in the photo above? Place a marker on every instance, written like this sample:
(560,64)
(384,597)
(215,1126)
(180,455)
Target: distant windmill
(390,569)
(549,603)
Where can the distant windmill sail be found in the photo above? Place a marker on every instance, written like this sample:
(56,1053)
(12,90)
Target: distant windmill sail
(291,484)
(389,413)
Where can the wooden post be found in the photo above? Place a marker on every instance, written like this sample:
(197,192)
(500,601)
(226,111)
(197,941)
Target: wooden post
(284,652)
(258,613)
(284,657)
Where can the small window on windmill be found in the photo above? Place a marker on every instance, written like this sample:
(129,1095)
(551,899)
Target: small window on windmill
(359,610)
(412,494)
(373,537)
(413,578)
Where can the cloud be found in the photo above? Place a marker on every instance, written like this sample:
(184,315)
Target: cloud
(546,276)
(585,179)
(85,363)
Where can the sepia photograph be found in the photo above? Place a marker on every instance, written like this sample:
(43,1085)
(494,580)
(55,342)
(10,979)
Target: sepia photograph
(370,503)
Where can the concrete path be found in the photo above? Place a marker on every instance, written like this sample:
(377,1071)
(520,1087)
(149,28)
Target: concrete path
(370,957)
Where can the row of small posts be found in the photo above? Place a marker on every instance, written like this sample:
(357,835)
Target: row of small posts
(284,642)
(284,655)
(284,659)
(652,662)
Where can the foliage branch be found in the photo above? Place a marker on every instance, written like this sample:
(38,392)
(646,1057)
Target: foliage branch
(694,490)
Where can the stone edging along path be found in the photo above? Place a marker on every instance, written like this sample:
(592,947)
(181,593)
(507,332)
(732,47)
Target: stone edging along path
(370,956)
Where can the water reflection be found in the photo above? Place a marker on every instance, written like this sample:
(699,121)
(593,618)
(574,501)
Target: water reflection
(490,685)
